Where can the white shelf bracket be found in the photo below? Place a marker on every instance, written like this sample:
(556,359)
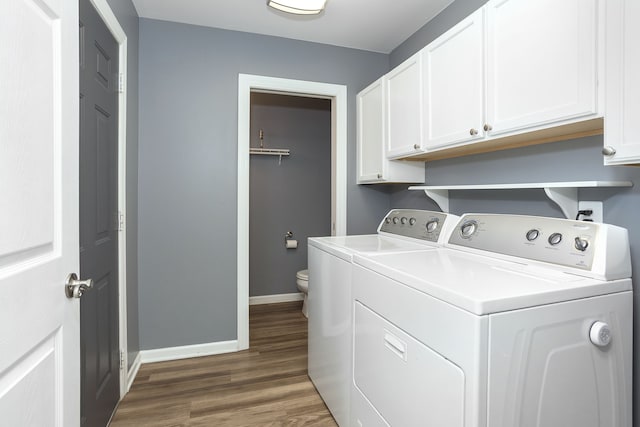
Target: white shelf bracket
(566,198)
(441,197)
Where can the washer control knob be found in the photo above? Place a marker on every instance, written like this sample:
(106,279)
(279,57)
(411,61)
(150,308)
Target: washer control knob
(533,234)
(468,228)
(432,225)
(581,244)
(395,219)
(600,334)
(412,221)
(387,220)
(403,220)
(555,238)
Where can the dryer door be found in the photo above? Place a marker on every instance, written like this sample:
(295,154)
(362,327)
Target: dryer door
(406,382)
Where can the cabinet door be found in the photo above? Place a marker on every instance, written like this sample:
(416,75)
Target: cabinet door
(404,108)
(371,132)
(622,86)
(454,84)
(541,62)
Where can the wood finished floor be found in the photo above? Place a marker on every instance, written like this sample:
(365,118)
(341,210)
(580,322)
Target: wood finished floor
(266,385)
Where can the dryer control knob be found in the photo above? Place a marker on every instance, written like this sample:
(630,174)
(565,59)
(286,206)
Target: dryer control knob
(468,228)
(555,239)
(600,334)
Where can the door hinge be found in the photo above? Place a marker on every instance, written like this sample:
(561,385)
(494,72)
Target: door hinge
(120,221)
(122,359)
(120,83)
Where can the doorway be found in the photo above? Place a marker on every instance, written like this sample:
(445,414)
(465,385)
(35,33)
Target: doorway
(289,193)
(338,96)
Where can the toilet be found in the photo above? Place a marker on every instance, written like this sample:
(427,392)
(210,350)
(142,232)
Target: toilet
(302,280)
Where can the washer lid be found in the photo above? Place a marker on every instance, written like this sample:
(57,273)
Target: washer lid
(345,246)
(484,285)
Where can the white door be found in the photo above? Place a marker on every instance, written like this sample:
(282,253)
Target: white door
(39,325)
(454,84)
(404,108)
(622,85)
(541,65)
(371,133)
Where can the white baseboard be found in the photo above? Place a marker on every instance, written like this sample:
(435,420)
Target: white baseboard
(272,299)
(135,367)
(187,351)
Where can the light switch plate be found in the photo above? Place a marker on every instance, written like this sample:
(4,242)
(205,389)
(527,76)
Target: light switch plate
(596,207)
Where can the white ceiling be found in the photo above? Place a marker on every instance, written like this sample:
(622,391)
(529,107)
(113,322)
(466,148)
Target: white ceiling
(374,25)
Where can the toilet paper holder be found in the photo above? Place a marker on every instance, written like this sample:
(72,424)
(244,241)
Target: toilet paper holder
(289,241)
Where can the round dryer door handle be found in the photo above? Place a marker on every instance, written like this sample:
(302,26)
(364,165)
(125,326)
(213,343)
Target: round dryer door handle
(600,334)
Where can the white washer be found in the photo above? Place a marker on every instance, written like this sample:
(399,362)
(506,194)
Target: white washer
(330,302)
(520,321)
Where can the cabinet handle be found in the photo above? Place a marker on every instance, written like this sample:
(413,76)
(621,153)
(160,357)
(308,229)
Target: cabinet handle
(379,176)
(608,150)
(473,131)
(487,127)
(416,146)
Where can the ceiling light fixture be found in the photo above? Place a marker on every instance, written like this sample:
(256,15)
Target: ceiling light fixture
(298,7)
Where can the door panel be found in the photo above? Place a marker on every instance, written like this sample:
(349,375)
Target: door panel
(454,84)
(548,78)
(100,362)
(39,326)
(371,133)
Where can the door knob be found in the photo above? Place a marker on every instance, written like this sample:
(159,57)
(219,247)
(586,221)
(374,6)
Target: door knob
(74,288)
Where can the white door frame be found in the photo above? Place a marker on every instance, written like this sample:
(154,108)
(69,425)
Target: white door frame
(110,20)
(338,95)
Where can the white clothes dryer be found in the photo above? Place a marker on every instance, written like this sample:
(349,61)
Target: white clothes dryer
(330,303)
(521,321)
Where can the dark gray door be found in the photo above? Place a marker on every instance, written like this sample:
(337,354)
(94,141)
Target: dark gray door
(100,360)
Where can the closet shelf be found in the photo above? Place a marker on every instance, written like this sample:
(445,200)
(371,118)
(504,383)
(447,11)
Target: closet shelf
(270,151)
(564,194)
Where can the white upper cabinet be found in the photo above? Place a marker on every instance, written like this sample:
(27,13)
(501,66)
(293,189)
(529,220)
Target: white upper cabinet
(404,108)
(371,132)
(373,165)
(542,63)
(453,79)
(622,85)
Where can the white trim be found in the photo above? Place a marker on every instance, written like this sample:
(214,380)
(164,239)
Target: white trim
(188,351)
(273,299)
(131,375)
(110,20)
(246,84)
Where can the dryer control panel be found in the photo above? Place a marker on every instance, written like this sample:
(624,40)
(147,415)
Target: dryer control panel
(418,224)
(599,250)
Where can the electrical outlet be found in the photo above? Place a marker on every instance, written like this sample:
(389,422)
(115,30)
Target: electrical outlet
(596,207)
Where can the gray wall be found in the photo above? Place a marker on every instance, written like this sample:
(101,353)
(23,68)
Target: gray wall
(127,16)
(292,196)
(188,167)
(566,161)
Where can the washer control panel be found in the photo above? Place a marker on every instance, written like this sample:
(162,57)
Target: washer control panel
(417,224)
(552,240)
